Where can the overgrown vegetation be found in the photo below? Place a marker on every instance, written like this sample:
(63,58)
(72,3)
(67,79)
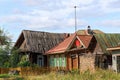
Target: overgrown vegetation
(11,77)
(14,58)
(98,75)
(5,47)
(9,56)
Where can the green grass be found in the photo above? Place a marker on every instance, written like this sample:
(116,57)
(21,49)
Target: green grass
(99,74)
(4,76)
(11,77)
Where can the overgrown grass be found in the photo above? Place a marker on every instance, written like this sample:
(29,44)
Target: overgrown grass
(4,76)
(99,74)
(10,77)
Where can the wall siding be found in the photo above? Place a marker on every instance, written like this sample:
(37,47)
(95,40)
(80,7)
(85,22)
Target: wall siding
(87,62)
(57,61)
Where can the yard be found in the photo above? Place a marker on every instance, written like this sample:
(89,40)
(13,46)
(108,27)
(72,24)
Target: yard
(98,75)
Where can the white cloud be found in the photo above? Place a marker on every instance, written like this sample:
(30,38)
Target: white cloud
(109,5)
(60,13)
(110,23)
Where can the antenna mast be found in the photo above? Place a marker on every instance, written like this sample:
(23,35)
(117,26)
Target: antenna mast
(75,19)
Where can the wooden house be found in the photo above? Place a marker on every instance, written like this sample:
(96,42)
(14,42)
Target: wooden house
(76,52)
(73,53)
(33,44)
(115,57)
(83,52)
(106,41)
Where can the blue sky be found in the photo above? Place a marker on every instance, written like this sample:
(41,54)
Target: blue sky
(58,15)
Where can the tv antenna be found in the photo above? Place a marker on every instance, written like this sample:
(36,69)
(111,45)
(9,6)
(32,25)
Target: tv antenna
(75,19)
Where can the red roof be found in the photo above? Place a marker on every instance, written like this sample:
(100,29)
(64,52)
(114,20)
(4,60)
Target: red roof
(62,46)
(65,45)
(86,39)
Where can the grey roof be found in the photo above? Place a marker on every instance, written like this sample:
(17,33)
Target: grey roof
(39,42)
(107,41)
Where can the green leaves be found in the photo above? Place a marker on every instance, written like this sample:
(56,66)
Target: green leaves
(5,47)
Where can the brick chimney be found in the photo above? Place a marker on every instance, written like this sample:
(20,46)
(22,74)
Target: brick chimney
(89,31)
(67,35)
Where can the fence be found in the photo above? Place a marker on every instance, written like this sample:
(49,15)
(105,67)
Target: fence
(26,70)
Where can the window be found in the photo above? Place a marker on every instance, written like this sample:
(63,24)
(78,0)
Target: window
(57,61)
(51,61)
(63,61)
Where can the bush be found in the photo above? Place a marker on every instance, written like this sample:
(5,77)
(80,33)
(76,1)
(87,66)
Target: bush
(24,64)
(4,76)
(75,71)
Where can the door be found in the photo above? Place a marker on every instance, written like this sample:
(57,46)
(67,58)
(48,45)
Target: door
(40,60)
(118,63)
(74,61)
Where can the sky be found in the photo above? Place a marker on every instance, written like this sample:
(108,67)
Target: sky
(58,15)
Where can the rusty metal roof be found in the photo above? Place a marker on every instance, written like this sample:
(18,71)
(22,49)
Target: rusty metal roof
(85,39)
(84,32)
(107,40)
(38,41)
(66,44)
(62,47)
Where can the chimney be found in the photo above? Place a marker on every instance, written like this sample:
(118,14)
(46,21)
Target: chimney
(67,35)
(89,31)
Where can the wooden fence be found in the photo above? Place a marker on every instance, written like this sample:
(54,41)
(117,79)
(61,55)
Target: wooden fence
(26,70)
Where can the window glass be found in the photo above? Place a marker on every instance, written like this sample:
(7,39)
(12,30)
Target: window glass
(51,61)
(57,60)
(63,61)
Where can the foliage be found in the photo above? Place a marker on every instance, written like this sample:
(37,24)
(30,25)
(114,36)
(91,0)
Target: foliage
(14,57)
(5,46)
(4,76)
(75,71)
(24,62)
(98,75)
(11,77)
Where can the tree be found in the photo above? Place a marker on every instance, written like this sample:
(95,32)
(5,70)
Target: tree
(14,57)
(5,46)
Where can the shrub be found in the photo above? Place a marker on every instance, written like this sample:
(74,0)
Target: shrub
(24,64)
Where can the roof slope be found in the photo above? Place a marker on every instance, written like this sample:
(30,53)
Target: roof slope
(84,32)
(66,44)
(62,47)
(114,48)
(39,42)
(107,40)
(85,39)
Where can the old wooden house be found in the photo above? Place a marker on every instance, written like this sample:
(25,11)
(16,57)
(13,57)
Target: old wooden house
(115,57)
(106,41)
(76,52)
(73,53)
(85,49)
(83,52)
(33,45)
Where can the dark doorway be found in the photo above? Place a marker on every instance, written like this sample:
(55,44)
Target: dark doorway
(74,61)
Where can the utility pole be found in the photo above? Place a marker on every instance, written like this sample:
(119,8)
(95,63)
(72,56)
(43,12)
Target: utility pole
(75,19)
